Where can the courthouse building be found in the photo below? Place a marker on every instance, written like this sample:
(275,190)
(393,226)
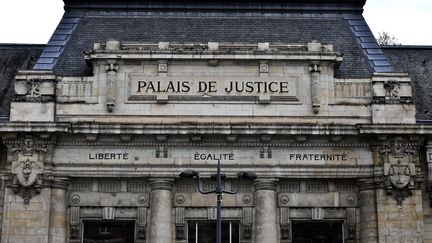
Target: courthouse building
(97,125)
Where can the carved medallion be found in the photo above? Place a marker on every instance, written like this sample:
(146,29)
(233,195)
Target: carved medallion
(399,180)
(399,175)
(27,172)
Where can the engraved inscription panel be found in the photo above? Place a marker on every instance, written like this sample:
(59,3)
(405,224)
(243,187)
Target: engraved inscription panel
(237,88)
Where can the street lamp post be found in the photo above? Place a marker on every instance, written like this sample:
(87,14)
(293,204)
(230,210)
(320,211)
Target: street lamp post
(218,191)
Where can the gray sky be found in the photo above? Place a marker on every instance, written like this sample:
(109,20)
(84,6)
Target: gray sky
(33,21)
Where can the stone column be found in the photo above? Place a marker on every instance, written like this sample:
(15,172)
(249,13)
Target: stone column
(266,224)
(368,211)
(161,206)
(58,208)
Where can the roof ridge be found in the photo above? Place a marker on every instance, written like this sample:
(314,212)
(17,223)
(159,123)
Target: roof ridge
(340,6)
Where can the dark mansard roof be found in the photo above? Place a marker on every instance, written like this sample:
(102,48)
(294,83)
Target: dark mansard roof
(14,57)
(417,62)
(298,21)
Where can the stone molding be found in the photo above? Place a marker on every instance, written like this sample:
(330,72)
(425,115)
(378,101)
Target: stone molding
(161,184)
(213,50)
(60,183)
(162,145)
(366,184)
(110,170)
(269,185)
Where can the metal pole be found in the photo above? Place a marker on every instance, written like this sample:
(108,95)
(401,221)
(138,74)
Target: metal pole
(219,203)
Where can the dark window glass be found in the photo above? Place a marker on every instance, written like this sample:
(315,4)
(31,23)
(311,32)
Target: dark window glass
(317,232)
(206,232)
(112,232)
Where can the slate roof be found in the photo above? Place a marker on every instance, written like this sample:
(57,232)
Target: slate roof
(14,57)
(298,21)
(417,62)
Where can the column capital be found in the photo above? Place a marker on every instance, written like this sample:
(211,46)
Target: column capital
(269,185)
(161,184)
(60,183)
(366,184)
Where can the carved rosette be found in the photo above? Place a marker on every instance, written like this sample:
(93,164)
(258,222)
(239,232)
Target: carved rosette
(399,167)
(28,157)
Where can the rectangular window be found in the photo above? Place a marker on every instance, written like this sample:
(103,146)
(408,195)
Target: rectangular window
(109,231)
(205,232)
(317,232)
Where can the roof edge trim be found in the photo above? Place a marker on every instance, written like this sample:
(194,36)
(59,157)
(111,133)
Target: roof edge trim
(342,6)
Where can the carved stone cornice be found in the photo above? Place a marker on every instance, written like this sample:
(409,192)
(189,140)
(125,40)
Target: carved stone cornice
(221,143)
(214,51)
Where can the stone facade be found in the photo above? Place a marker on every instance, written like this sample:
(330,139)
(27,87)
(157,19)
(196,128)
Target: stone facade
(109,147)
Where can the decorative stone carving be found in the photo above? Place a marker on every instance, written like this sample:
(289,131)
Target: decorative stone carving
(27,192)
(247,223)
(161,152)
(74,223)
(142,199)
(317,213)
(180,223)
(315,70)
(142,223)
(266,152)
(28,156)
(349,89)
(284,199)
(399,180)
(351,231)
(399,167)
(392,88)
(285,223)
(247,199)
(108,213)
(111,69)
(31,86)
(75,199)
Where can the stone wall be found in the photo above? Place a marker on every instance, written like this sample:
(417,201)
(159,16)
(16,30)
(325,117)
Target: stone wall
(24,223)
(400,223)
